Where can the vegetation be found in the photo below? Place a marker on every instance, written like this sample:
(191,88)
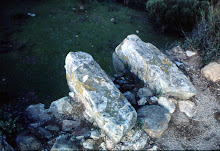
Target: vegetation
(176,13)
(40,44)
(205,38)
(11,122)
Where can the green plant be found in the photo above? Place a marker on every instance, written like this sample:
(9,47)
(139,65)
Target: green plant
(176,13)
(205,37)
(139,123)
(10,121)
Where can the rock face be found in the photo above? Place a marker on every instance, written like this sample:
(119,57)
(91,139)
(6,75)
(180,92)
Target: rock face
(152,67)
(211,71)
(109,108)
(154,119)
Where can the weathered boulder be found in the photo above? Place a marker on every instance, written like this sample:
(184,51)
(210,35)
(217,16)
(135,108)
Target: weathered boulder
(154,119)
(109,108)
(38,113)
(212,71)
(152,67)
(26,141)
(62,107)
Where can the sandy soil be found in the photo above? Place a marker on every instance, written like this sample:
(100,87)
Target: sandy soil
(202,132)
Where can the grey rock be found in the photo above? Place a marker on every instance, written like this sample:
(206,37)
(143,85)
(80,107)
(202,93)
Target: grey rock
(130,97)
(187,107)
(63,143)
(155,119)
(144,92)
(153,100)
(142,101)
(44,133)
(53,128)
(69,125)
(38,113)
(190,53)
(211,71)
(62,107)
(152,67)
(109,108)
(88,144)
(133,140)
(169,105)
(27,141)
(4,146)
(95,134)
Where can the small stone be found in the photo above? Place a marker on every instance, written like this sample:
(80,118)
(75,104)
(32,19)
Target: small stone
(69,125)
(102,146)
(112,19)
(144,92)
(155,119)
(177,49)
(137,31)
(169,105)
(53,128)
(153,100)
(142,101)
(62,107)
(117,86)
(63,144)
(77,36)
(88,144)
(190,53)
(178,63)
(38,113)
(3,80)
(187,107)
(27,141)
(44,133)
(130,97)
(79,137)
(217,116)
(74,9)
(211,71)
(153,148)
(95,134)
(72,94)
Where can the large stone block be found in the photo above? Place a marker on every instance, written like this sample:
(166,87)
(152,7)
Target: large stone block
(152,67)
(109,108)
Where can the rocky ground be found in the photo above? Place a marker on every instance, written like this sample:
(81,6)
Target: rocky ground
(186,125)
(202,132)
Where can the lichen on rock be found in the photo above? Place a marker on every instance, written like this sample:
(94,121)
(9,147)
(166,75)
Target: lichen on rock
(152,67)
(109,108)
